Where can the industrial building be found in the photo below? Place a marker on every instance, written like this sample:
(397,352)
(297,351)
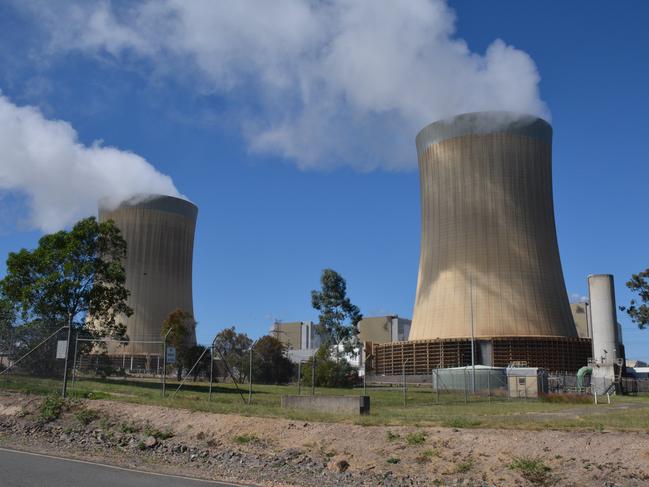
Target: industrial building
(159,233)
(490,288)
(383,329)
(301,338)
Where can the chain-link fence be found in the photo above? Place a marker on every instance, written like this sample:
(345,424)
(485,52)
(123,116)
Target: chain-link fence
(32,357)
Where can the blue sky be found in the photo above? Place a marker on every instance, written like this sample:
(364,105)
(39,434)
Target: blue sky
(272,215)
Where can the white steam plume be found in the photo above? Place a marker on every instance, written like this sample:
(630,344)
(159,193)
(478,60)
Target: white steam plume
(62,178)
(322,83)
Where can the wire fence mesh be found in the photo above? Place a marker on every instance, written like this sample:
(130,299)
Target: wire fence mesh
(32,359)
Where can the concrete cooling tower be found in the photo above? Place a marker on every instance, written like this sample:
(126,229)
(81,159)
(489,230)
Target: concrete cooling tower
(159,232)
(488,244)
(489,267)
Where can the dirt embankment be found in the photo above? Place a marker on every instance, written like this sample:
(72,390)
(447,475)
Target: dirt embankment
(269,451)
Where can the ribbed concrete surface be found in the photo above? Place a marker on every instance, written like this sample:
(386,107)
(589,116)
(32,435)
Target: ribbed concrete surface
(159,232)
(488,231)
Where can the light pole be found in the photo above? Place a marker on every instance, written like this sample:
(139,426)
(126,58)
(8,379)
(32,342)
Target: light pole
(472,337)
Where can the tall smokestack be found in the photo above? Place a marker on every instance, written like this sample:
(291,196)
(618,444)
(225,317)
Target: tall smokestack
(489,264)
(159,233)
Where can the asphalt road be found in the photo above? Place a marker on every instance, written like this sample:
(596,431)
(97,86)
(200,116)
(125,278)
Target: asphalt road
(21,469)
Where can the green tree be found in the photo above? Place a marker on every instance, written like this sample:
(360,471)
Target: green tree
(270,364)
(639,311)
(234,347)
(71,276)
(179,328)
(328,372)
(338,316)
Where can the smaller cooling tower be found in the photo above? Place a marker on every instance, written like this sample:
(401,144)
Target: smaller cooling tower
(603,318)
(159,233)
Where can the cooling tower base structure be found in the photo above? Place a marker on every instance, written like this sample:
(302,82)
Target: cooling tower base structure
(489,267)
(159,233)
(420,357)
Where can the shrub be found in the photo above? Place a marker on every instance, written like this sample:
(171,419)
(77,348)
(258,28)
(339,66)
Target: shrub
(329,372)
(416,438)
(532,469)
(156,433)
(390,436)
(129,428)
(51,408)
(86,416)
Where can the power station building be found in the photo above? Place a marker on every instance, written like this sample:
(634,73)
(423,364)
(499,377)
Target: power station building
(490,288)
(159,233)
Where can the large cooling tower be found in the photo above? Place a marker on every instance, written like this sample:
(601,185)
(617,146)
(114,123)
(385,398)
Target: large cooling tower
(489,254)
(159,232)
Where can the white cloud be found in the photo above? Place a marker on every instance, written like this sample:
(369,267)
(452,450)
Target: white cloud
(329,83)
(63,179)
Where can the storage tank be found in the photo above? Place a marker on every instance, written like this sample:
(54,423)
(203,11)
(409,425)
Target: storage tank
(159,233)
(489,263)
(603,314)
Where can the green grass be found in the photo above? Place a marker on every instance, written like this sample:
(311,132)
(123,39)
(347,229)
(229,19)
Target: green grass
(417,438)
(245,439)
(129,428)
(391,460)
(532,469)
(426,456)
(460,422)
(464,466)
(387,407)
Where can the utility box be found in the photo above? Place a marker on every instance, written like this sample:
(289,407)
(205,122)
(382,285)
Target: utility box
(526,382)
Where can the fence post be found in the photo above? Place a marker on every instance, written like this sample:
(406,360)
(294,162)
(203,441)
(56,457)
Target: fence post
(466,399)
(364,381)
(299,378)
(403,372)
(209,396)
(74,361)
(250,378)
(64,392)
(313,376)
(164,361)
(489,384)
